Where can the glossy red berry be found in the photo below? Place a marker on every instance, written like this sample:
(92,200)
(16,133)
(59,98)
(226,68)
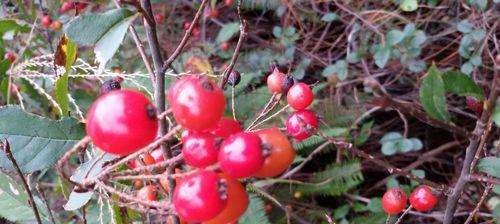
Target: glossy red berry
(56,25)
(174,89)
(474,105)
(274,81)
(224,46)
(121,122)
(241,155)
(187,26)
(144,159)
(10,56)
(237,202)
(199,103)
(196,32)
(66,6)
(300,124)
(157,155)
(212,13)
(422,198)
(394,201)
(159,17)
(281,151)
(228,2)
(46,21)
(148,193)
(224,128)
(200,196)
(200,150)
(300,96)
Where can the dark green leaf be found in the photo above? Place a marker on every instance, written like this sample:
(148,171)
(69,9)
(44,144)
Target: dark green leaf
(490,165)
(256,212)
(459,83)
(375,205)
(37,142)
(14,202)
(432,95)
(341,212)
(7,25)
(227,31)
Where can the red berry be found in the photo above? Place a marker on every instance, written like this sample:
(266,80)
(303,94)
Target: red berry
(474,105)
(187,26)
(196,32)
(174,88)
(228,2)
(200,197)
(81,6)
(274,81)
(224,128)
(10,56)
(224,46)
(212,13)
(281,154)
(148,193)
(46,21)
(14,89)
(200,150)
(157,155)
(241,155)
(301,123)
(66,6)
(422,198)
(56,25)
(198,104)
(145,159)
(300,96)
(394,201)
(121,122)
(237,202)
(159,17)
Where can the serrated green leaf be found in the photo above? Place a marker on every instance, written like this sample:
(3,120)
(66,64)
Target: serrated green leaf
(490,165)
(227,31)
(255,213)
(394,37)
(103,30)
(36,142)
(432,95)
(459,83)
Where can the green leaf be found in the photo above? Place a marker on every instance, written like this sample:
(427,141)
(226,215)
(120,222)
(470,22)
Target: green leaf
(496,114)
(14,202)
(390,137)
(417,144)
(418,39)
(432,95)
(476,60)
(4,66)
(459,83)
(341,212)
(404,145)
(256,212)
(91,168)
(36,142)
(104,30)
(375,205)
(8,25)
(490,165)
(329,17)
(382,56)
(389,148)
(409,5)
(227,31)
(467,67)
(61,90)
(393,37)
(464,26)
(478,35)
(366,131)
(335,180)
(339,69)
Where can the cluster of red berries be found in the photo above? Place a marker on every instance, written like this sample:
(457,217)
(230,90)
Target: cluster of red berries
(46,21)
(196,31)
(422,199)
(67,6)
(299,96)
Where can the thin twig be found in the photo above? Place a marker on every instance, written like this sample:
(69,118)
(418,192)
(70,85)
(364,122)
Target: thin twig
(6,149)
(474,141)
(185,39)
(400,219)
(479,203)
(46,202)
